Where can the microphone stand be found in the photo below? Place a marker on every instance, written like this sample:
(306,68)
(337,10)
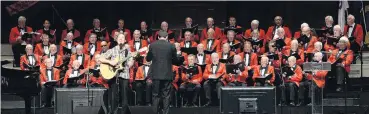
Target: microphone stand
(88,87)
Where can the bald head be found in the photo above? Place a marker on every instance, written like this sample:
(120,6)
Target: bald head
(164,26)
(278,20)
(215,58)
(188,22)
(210,33)
(210,22)
(350,19)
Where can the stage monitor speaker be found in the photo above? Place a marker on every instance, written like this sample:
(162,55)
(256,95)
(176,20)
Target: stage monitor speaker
(66,99)
(89,110)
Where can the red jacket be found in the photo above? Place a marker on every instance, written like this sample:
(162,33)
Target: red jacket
(241,78)
(319,78)
(237,50)
(297,77)
(128,37)
(24,59)
(195,78)
(310,46)
(277,62)
(215,45)
(63,43)
(57,62)
(43,75)
(86,47)
(140,74)
(68,73)
(76,34)
(193,44)
(217,34)
(14,33)
(176,78)
(347,57)
(253,59)
(153,39)
(221,70)
(298,61)
(97,79)
(270,33)
(106,35)
(257,72)
(41,31)
(143,43)
(39,49)
(194,38)
(249,35)
(85,62)
(357,33)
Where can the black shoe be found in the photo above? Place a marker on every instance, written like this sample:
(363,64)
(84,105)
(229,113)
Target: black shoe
(186,105)
(309,104)
(292,104)
(148,104)
(301,104)
(339,89)
(171,106)
(207,104)
(46,105)
(194,105)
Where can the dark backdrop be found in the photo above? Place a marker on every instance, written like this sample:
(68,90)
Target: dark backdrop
(293,13)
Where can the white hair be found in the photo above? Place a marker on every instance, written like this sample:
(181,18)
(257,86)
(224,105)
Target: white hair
(214,54)
(52,45)
(96,20)
(292,58)
(79,46)
(164,22)
(336,27)
(318,53)
(304,25)
(294,42)
(344,39)
(29,46)
(280,29)
(318,43)
(210,19)
(330,18)
(351,16)
(70,20)
(22,18)
(255,22)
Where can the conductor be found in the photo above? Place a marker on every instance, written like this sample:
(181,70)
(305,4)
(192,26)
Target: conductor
(162,54)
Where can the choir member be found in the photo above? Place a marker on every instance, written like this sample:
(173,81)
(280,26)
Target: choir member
(15,38)
(213,76)
(238,79)
(274,56)
(210,24)
(29,59)
(201,57)
(255,26)
(188,24)
(137,43)
(328,25)
(68,43)
(96,80)
(315,78)
(180,54)
(70,29)
(104,47)
(291,82)
(295,51)
(337,33)
(233,24)
(114,43)
(308,46)
(255,38)
(74,72)
(122,30)
(174,87)
(247,56)
(92,46)
(143,84)
(165,27)
(353,31)
(272,30)
(102,33)
(46,30)
(264,73)
(48,74)
(145,32)
(55,58)
(188,42)
(191,81)
(342,59)
(212,44)
(232,41)
(83,59)
(298,34)
(43,47)
(281,35)
(226,52)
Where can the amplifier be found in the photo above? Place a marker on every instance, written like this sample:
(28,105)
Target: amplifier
(355,71)
(67,99)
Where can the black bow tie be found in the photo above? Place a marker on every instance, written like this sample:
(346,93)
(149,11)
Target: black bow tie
(46,45)
(350,26)
(137,41)
(247,53)
(69,41)
(201,54)
(210,39)
(49,69)
(79,55)
(215,65)
(30,55)
(263,67)
(225,53)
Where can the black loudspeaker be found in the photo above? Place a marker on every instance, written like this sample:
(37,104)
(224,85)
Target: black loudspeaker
(364,99)
(67,99)
(141,110)
(88,110)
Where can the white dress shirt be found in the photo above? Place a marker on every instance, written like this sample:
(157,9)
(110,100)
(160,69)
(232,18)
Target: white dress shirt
(350,29)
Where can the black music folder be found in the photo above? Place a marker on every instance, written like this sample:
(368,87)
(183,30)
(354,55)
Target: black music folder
(296,55)
(53,82)
(332,41)
(262,80)
(236,30)
(67,50)
(273,56)
(95,72)
(288,71)
(231,68)
(194,30)
(203,66)
(280,43)
(303,39)
(228,60)
(31,67)
(235,46)
(209,51)
(73,80)
(193,70)
(191,50)
(26,35)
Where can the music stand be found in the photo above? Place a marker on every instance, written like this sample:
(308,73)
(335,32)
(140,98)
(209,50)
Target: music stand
(311,67)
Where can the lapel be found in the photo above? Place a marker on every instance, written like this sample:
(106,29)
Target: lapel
(144,71)
(353,30)
(55,58)
(52,74)
(34,59)
(216,70)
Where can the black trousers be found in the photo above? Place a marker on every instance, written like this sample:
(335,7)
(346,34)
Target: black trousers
(47,94)
(209,86)
(232,84)
(340,75)
(161,91)
(291,89)
(262,84)
(118,92)
(143,88)
(310,86)
(17,52)
(187,88)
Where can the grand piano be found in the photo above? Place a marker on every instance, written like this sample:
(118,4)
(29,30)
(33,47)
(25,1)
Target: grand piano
(20,83)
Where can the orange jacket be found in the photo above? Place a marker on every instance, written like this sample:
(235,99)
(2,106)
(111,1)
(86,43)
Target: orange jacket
(249,35)
(143,43)
(14,33)
(257,72)
(39,49)
(297,77)
(43,75)
(171,40)
(237,50)
(86,47)
(85,62)
(277,62)
(140,74)
(347,57)
(57,62)
(24,59)
(253,59)
(41,31)
(270,33)
(310,46)
(193,44)
(97,79)
(76,34)
(298,61)
(64,44)
(221,70)
(176,78)
(230,53)
(105,35)
(319,78)
(206,59)
(357,33)
(215,45)
(68,73)
(328,47)
(217,34)
(128,36)
(195,78)
(240,78)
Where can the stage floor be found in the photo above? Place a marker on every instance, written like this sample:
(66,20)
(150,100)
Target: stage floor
(200,110)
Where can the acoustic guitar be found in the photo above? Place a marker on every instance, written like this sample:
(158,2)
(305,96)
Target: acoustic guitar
(108,71)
